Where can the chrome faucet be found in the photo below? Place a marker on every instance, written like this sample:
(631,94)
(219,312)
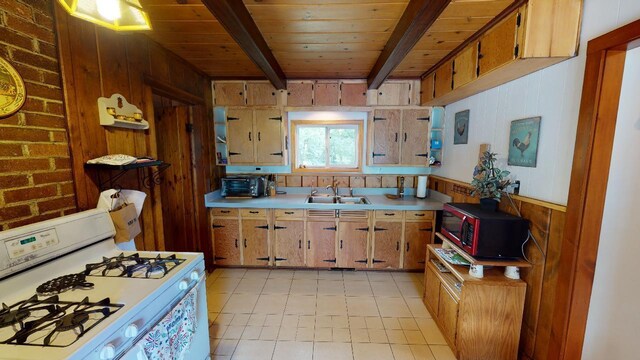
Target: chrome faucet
(314,192)
(400,186)
(333,188)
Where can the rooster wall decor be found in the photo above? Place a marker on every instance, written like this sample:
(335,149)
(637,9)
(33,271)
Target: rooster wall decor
(523,142)
(461,128)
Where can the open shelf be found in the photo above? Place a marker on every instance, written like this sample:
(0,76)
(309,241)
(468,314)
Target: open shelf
(149,180)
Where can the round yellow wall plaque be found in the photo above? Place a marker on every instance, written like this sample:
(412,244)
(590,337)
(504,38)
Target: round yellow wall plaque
(12,91)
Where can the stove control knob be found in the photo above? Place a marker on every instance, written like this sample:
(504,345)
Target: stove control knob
(131,331)
(195,275)
(108,352)
(183,285)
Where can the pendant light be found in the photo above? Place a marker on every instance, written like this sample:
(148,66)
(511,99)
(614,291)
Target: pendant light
(119,15)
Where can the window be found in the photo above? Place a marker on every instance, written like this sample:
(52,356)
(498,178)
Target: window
(327,145)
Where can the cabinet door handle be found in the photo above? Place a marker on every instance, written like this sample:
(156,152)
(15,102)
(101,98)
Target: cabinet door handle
(258,135)
(250,136)
(407,247)
(397,245)
(405,137)
(396,137)
(245,244)
(308,244)
(340,244)
(299,244)
(236,243)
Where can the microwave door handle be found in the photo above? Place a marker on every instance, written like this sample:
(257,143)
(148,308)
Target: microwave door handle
(464,220)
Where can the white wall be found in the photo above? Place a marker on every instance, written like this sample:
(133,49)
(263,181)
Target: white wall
(553,93)
(614,317)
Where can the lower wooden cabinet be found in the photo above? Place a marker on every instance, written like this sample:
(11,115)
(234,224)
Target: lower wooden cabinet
(289,243)
(448,313)
(255,242)
(416,237)
(226,238)
(321,244)
(352,244)
(387,244)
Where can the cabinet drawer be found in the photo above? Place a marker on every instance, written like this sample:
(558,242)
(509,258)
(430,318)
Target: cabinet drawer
(252,213)
(289,213)
(222,212)
(388,214)
(419,215)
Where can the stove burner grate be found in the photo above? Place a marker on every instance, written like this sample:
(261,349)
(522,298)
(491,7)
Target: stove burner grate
(17,313)
(133,266)
(63,283)
(61,317)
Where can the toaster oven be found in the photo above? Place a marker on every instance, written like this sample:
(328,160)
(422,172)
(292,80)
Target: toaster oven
(243,186)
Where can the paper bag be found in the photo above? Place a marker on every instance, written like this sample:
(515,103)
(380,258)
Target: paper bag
(125,220)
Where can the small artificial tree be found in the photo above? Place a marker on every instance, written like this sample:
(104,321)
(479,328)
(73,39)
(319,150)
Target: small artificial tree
(488,180)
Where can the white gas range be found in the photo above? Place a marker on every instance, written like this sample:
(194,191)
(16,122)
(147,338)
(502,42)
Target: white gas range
(117,305)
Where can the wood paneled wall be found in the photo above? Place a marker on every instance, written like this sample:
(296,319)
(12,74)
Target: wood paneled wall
(99,62)
(547,225)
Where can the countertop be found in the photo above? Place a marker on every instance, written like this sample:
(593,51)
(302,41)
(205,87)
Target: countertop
(296,199)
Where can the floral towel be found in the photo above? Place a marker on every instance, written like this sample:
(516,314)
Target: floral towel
(171,337)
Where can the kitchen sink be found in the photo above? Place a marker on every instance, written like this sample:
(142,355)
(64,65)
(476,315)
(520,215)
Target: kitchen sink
(321,200)
(356,200)
(351,200)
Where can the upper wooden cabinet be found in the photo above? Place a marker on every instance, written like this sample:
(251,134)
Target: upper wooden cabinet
(255,136)
(261,94)
(500,45)
(299,93)
(327,93)
(386,136)
(230,93)
(353,94)
(538,34)
(427,86)
(394,93)
(399,137)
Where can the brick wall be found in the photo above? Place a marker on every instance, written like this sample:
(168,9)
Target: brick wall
(35,166)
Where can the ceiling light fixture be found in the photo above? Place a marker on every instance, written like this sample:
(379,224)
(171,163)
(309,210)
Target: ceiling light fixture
(119,15)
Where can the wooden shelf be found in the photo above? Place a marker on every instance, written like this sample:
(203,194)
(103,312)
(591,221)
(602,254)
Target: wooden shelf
(497,262)
(148,180)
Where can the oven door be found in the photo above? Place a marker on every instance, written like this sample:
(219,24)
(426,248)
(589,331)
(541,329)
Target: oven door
(459,228)
(198,347)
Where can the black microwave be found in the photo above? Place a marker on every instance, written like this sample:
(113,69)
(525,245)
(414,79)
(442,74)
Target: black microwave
(243,186)
(482,233)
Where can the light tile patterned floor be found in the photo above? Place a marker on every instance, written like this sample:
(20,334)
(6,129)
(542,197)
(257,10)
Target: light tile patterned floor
(333,315)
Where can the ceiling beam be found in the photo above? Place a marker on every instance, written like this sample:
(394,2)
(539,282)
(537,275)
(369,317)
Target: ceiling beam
(415,21)
(235,18)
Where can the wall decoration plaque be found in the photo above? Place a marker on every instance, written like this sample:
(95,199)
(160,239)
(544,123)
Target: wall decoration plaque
(12,91)
(461,128)
(523,142)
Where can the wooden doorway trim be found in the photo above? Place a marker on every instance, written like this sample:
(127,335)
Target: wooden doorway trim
(589,177)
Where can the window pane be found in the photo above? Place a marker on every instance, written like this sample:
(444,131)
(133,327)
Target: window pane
(312,151)
(342,147)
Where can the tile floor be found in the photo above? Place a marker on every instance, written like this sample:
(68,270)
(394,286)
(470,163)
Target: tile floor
(333,315)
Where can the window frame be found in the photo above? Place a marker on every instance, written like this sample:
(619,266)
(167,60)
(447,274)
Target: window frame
(326,123)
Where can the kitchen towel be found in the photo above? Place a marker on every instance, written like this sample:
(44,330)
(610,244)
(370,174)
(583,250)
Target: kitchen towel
(129,196)
(421,191)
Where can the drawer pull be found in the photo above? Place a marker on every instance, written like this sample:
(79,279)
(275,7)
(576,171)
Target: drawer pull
(254,212)
(225,211)
(421,215)
(288,212)
(389,214)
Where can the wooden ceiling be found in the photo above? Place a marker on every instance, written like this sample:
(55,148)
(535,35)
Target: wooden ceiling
(313,38)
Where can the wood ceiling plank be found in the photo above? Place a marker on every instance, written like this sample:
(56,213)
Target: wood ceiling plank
(326,26)
(461,9)
(185,26)
(326,38)
(418,17)
(235,18)
(179,12)
(190,38)
(460,24)
(325,47)
(327,55)
(351,12)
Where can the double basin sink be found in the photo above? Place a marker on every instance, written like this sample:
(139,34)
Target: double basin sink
(347,200)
